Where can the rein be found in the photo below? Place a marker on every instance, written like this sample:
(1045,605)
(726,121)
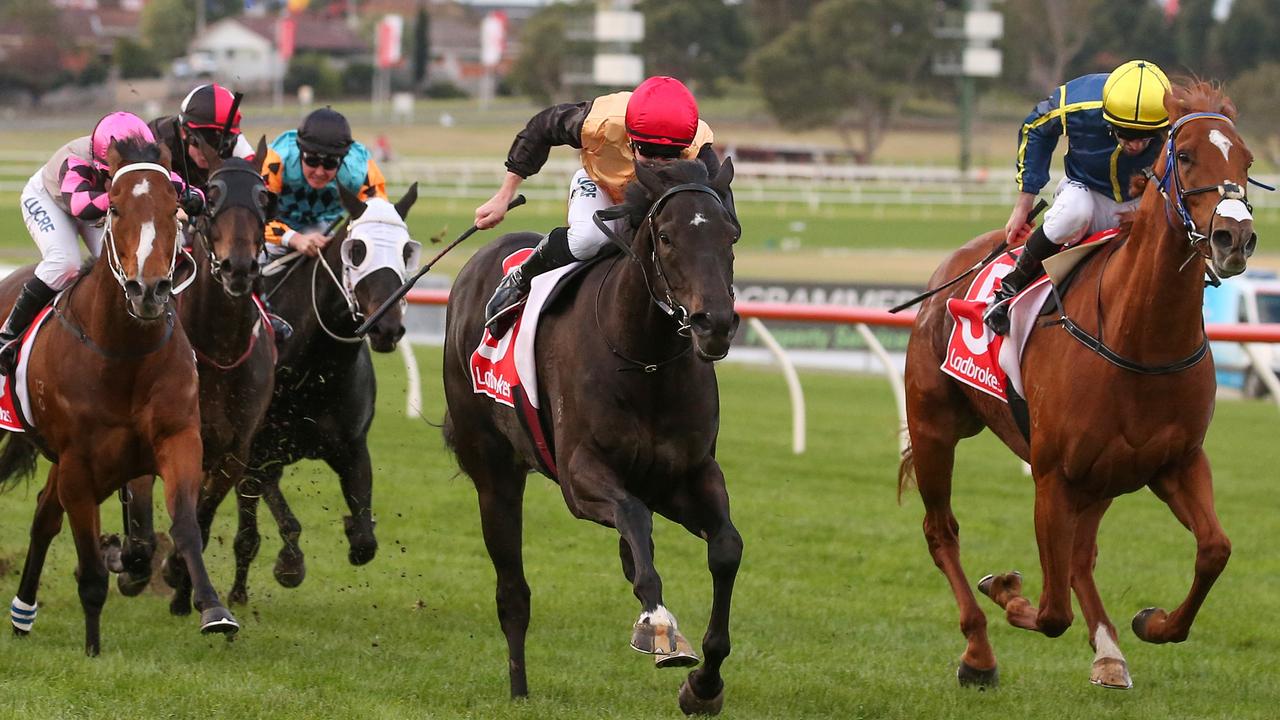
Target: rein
(109,238)
(83,337)
(634,364)
(670,307)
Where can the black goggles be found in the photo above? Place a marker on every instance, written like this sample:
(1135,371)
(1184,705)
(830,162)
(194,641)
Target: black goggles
(328,162)
(1123,133)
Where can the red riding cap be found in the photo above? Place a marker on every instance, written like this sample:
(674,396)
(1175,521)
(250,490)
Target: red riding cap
(662,111)
(207,106)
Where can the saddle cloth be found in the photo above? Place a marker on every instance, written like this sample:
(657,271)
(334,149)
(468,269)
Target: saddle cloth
(504,368)
(988,362)
(13,390)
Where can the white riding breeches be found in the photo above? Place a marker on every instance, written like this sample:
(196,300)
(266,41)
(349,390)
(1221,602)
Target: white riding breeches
(585,198)
(1078,212)
(57,235)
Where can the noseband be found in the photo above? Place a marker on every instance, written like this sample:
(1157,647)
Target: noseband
(109,238)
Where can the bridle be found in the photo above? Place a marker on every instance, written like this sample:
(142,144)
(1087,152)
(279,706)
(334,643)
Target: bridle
(667,304)
(109,238)
(203,223)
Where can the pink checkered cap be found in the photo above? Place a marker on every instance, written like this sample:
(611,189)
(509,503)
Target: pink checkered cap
(117,126)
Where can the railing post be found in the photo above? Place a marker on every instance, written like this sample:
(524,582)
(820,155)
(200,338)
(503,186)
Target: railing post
(793,384)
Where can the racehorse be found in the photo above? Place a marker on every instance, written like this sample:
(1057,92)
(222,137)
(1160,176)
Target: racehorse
(235,354)
(324,395)
(1139,420)
(112,383)
(626,444)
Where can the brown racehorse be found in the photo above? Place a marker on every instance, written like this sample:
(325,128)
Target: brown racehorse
(113,391)
(235,354)
(627,444)
(1104,423)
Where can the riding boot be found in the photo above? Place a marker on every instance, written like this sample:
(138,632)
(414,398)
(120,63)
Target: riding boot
(553,252)
(279,326)
(1030,266)
(34,297)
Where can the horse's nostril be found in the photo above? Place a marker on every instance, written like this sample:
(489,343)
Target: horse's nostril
(254,269)
(224,266)
(1251,244)
(132,288)
(163,288)
(1221,238)
(701,323)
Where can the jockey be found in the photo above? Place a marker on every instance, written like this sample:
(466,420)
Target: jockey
(1113,124)
(65,200)
(203,112)
(658,121)
(304,168)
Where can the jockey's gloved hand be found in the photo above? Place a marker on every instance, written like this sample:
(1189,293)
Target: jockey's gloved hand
(192,203)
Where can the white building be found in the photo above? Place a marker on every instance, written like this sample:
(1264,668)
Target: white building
(237,54)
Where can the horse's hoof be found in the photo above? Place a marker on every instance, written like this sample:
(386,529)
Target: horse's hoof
(91,650)
(362,553)
(290,569)
(1111,673)
(180,606)
(991,585)
(131,585)
(238,596)
(218,619)
(1143,619)
(170,573)
(683,656)
(112,553)
(691,704)
(970,676)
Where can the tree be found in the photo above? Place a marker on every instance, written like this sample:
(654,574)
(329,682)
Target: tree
(1256,94)
(1049,35)
(771,18)
(849,65)
(1123,31)
(167,26)
(537,72)
(1247,38)
(35,62)
(699,41)
(421,47)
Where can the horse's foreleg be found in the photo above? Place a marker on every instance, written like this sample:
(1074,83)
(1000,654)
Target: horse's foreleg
(75,489)
(704,510)
(291,566)
(178,461)
(44,527)
(212,491)
(247,541)
(355,473)
(140,537)
(1188,490)
(1109,667)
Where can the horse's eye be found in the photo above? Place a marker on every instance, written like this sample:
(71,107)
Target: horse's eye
(1184,156)
(665,238)
(734,240)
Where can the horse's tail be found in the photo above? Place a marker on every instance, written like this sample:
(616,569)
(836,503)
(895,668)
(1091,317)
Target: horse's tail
(17,460)
(447,430)
(906,471)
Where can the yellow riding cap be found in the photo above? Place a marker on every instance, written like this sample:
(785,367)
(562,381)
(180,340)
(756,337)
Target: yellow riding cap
(1133,96)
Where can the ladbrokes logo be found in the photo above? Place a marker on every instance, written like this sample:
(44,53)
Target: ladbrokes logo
(969,368)
(497,387)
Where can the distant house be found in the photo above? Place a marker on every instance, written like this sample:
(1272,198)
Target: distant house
(241,51)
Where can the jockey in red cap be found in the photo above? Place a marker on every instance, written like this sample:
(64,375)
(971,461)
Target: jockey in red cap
(204,112)
(657,122)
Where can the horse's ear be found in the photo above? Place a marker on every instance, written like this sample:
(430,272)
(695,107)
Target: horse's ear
(406,202)
(114,159)
(354,206)
(166,158)
(649,179)
(720,181)
(260,155)
(1173,104)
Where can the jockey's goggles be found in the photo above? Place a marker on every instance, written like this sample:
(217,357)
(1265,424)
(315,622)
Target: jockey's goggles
(1124,133)
(328,162)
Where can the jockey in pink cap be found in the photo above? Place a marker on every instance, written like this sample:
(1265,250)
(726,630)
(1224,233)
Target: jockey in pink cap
(62,204)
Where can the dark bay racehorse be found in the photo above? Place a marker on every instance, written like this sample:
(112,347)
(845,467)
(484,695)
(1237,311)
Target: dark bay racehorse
(628,443)
(235,354)
(323,402)
(113,392)
(1102,423)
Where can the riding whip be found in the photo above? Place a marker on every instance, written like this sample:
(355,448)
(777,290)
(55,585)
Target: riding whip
(408,284)
(1040,206)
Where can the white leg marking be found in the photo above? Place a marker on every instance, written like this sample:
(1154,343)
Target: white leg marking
(697,220)
(1217,138)
(1106,647)
(659,616)
(146,241)
(142,188)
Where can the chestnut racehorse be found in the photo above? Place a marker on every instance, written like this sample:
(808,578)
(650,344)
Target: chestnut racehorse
(626,444)
(1130,412)
(112,383)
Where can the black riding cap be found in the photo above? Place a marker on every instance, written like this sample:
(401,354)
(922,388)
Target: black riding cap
(325,131)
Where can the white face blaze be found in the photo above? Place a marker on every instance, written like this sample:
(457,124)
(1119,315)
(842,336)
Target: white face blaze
(697,220)
(146,242)
(142,188)
(1217,138)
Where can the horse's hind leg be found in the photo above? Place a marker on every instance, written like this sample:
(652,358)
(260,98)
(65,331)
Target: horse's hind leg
(291,565)
(1109,667)
(140,537)
(1188,491)
(44,527)
(355,473)
(501,496)
(933,448)
(704,510)
(247,541)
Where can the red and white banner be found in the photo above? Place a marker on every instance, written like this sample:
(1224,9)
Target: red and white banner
(493,38)
(286,28)
(390,32)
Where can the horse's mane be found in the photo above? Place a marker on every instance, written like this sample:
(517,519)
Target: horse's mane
(1193,95)
(134,149)
(678,172)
